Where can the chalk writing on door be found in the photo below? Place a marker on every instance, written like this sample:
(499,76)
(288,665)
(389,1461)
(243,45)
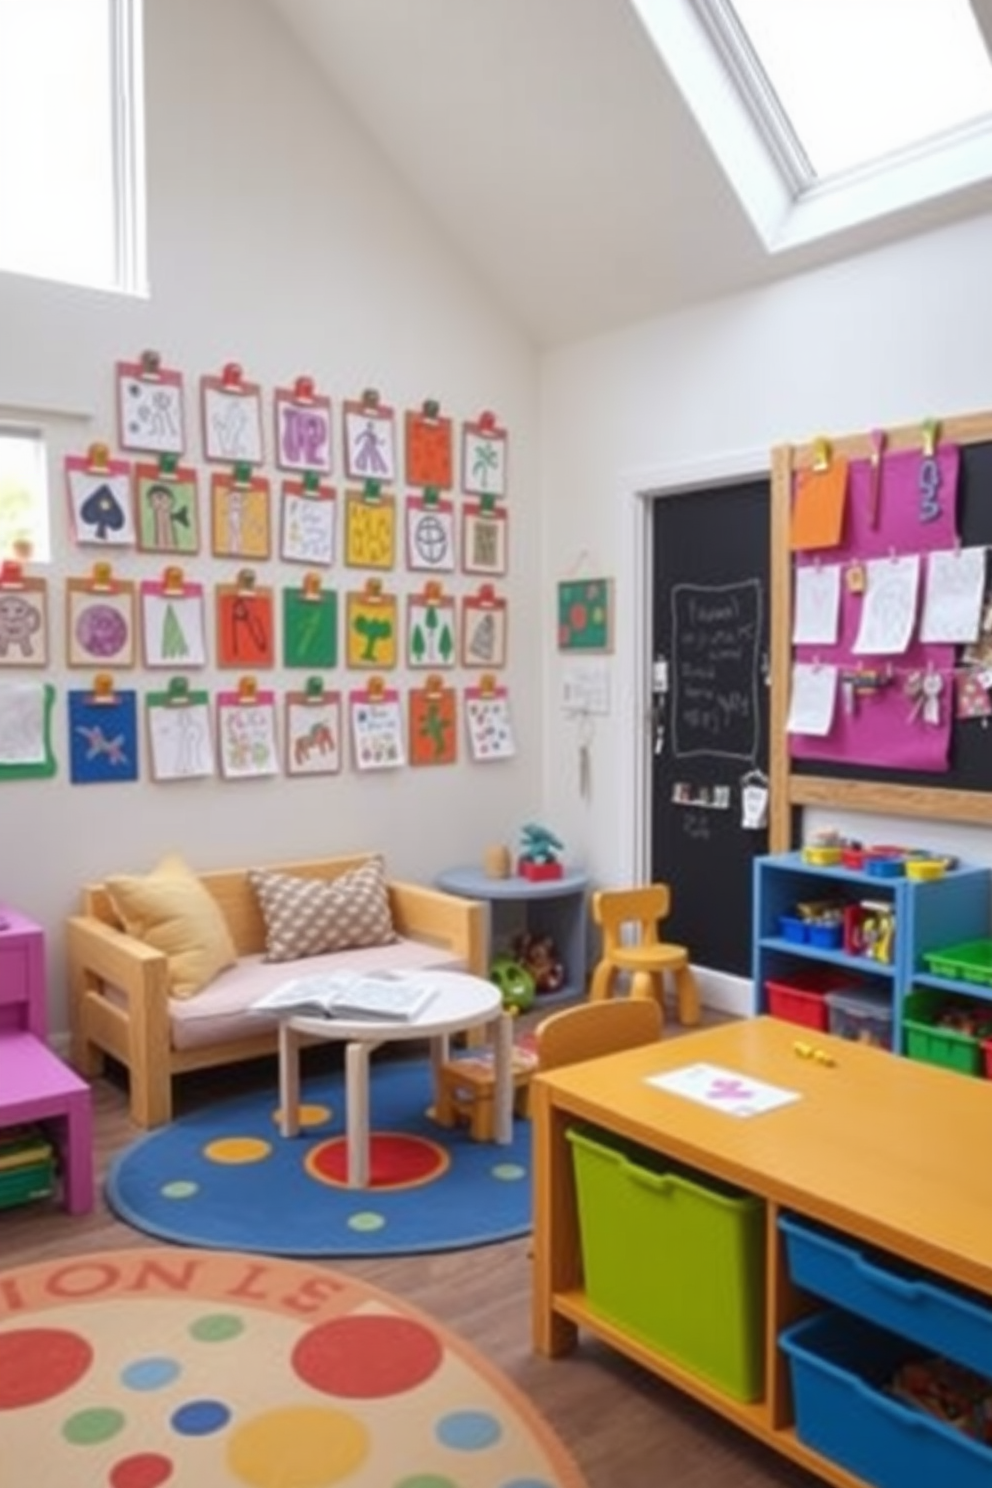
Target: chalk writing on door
(716,639)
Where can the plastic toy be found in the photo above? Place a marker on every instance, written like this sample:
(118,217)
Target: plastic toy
(538,956)
(515,982)
(539,855)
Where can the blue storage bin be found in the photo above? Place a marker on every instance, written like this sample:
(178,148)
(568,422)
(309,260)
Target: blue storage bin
(840,1367)
(949,1319)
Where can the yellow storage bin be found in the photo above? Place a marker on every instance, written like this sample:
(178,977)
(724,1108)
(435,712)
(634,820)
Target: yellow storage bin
(674,1258)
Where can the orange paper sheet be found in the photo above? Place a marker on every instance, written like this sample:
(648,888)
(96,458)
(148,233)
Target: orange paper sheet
(818,507)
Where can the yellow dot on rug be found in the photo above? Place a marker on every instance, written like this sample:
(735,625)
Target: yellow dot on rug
(234,1150)
(297,1447)
(307,1115)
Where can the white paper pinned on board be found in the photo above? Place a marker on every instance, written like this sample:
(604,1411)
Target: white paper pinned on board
(813,699)
(585,687)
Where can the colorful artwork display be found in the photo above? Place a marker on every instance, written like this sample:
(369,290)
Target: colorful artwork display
(313,731)
(245,629)
(430,535)
(377,729)
(483,629)
(484,447)
(430,629)
(433,724)
(23,622)
(232,418)
(484,538)
(309,627)
(103,736)
(371,624)
(490,729)
(370,530)
(369,440)
(303,428)
(428,448)
(239,514)
(26,730)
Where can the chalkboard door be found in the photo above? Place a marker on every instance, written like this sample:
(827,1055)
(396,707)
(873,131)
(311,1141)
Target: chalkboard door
(710,643)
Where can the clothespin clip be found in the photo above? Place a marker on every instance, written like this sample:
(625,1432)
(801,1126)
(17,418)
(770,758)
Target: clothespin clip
(372,491)
(431,409)
(487,685)
(370,399)
(102,579)
(487,504)
(931,429)
(103,689)
(310,588)
(433,591)
(303,390)
(172,579)
(98,459)
(375,689)
(245,581)
(168,465)
(821,454)
(313,691)
(311,482)
(241,475)
(487,421)
(232,378)
(177,692)
(151,366)
(11,574)
(434,684)
(247,691)
(431,496)
(486,596)
(372,593)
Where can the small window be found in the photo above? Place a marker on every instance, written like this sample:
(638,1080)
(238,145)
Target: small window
(71,142)
(23,496)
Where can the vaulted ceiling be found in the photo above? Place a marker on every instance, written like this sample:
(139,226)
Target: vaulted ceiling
(549,141)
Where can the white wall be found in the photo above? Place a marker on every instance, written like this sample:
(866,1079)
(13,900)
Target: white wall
(896,336)
(280,239)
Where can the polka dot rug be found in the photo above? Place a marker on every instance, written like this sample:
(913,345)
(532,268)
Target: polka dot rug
(224,1177)
(165,1366)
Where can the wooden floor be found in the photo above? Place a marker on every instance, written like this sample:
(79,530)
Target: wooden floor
(623,1426)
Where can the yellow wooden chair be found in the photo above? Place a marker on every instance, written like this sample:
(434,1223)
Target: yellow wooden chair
(593,1028)
(648,959)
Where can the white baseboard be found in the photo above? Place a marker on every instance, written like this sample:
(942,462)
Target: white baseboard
(724,992)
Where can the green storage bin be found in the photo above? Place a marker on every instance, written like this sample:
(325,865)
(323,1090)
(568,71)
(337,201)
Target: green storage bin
(27,1166)
(925,1040)
(674,1258)
(969,961)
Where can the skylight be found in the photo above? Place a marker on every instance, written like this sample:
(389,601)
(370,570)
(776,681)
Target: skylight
(859,81)
(826,114)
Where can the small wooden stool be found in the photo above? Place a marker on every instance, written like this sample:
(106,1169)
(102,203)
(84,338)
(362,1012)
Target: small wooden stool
(465,1090)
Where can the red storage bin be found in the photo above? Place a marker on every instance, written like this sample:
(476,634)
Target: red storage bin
(800,996)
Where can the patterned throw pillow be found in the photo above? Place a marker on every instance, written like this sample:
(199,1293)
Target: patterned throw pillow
(310,916)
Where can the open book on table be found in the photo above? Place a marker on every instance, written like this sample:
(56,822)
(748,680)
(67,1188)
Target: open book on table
(343,994)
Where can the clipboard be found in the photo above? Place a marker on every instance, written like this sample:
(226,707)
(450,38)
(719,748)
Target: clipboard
(24,602)
(100,619)
(303,428)
(150,406)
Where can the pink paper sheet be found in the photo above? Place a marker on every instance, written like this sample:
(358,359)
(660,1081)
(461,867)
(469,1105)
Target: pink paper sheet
(882,729)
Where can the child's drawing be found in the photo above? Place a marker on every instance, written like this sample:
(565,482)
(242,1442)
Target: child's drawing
(371,630)
(430,535)
(313,734)
(24,624)
(100,502)
(181,747)
(232,422)
(25,730)
(483,632)
(168,510)
(239,516)
(370,531)
(247,732)
(484,539)
(303,432)
(490,732)
(308,523)
(150,409)
(245,628)
(483,459)
(428,450)
(172,625)
(430,631)
(433,732)
(309,628)
(103,738)
(369,442)
(377,731)
(99,624)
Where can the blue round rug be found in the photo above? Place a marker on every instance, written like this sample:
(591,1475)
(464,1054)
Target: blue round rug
(225,1178)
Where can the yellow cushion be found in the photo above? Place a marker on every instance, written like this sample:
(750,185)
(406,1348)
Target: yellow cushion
(170,910)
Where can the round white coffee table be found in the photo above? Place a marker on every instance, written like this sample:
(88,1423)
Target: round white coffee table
(461,1002)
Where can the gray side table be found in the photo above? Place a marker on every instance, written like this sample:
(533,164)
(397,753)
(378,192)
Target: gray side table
(551,906)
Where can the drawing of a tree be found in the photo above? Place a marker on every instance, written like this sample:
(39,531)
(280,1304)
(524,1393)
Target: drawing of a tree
(372,629)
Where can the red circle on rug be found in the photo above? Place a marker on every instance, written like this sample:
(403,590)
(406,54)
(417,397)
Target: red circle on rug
(395,1160)
(367,1358)
(37,1364)
(145,1470)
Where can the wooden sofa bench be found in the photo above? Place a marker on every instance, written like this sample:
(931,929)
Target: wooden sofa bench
(119,1002)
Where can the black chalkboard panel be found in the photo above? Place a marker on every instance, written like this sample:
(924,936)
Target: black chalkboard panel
(970,753)
(710,551)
